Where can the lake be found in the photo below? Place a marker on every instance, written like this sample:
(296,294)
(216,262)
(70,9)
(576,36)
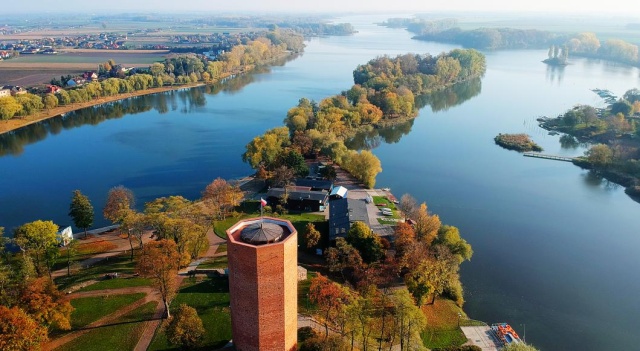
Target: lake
(555,246)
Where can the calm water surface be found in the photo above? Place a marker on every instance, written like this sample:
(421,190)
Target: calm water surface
(555,247)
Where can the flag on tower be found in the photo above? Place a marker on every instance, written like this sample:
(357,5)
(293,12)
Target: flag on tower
(263,202)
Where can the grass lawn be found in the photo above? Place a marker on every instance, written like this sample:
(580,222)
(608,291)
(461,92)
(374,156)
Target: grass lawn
(216,262)
(90,309)
(221,248)
(304,305)
(117,283)
(123,334)
(442,324)
(377,200)
(120,264)
(210,297)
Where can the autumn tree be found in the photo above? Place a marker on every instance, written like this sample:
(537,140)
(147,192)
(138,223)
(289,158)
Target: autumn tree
(185,328)
(600,155)
(264,150)
(408,205)
(19,332)
(38,239)
(222,197)
(344,258)
(159,262)
(364,166)
(328,296)
(120,201)
(433,274)
(41,299)
(311,236)
(81,211)
(426,224)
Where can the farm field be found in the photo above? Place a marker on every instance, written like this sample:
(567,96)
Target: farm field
(28,70)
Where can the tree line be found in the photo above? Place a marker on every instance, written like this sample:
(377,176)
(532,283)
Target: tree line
(384,93)
(580,44)
(180,69)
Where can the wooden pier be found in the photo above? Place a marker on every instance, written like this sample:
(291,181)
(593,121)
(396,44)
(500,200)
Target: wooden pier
(548,157)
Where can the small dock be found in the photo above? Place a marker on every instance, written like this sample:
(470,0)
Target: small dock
(548,157)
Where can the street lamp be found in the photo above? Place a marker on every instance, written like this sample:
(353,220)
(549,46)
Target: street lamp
(524,334)
(459,316)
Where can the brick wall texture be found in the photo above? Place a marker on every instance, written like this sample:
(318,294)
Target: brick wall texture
(263,290)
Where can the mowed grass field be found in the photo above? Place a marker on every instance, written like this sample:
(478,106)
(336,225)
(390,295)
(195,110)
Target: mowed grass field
(28,70)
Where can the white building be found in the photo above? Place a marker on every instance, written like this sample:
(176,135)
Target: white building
(65,235)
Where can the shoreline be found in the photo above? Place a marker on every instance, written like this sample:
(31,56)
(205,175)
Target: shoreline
(19,122)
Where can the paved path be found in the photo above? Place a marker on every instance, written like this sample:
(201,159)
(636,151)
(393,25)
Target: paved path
(122,245)
(481,337)
(151,294)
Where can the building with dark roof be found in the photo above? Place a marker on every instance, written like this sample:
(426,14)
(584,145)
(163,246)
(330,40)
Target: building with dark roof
(315,184)
(343,213)
(263,284)
(299,199)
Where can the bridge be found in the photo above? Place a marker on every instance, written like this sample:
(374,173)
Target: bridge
(548,157)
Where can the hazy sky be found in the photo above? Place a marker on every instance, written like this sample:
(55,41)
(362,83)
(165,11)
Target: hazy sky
(390,6)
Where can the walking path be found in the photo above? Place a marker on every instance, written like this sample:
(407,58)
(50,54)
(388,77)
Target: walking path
(481,337)
(151,294)
(122,245)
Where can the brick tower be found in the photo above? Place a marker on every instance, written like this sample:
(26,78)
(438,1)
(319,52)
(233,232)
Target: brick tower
(263,285)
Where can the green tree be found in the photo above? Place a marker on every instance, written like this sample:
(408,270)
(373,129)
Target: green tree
(50,101)
(30,103)
(81,211)
(450,237)
(409,320)
(185,328)
(363,239)
(63,97)
(9,107)
(39,240)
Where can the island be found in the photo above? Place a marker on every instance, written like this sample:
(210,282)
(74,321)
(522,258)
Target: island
(613,134)
(517,142)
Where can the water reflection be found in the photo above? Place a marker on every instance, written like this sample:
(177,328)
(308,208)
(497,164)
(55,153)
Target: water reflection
(594,179)
(555,73)
(442,100)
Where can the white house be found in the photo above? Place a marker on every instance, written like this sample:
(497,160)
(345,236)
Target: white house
(65,235)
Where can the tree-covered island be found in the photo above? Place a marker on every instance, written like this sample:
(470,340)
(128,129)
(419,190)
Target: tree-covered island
(384,93)
(613,132)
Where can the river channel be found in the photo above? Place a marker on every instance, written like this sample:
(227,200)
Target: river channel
(555,246)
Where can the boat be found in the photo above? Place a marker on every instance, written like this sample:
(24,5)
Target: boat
(505,333)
